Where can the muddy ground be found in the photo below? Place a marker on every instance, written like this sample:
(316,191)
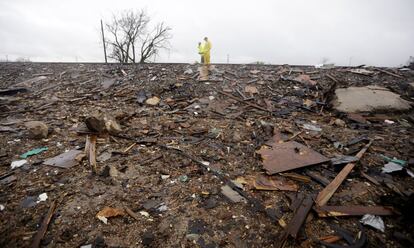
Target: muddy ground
(175,200)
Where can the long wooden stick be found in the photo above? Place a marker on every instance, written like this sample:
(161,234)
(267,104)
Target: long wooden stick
(326,194)
(43,228)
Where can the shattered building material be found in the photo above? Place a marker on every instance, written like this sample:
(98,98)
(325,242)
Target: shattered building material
(280,157)
(164,165)
(369,98)
(326,194)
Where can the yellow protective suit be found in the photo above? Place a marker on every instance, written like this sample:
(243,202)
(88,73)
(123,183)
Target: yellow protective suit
(207,48)
(201,52)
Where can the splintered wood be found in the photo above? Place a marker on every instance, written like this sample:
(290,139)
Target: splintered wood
(326,194)
(90,150)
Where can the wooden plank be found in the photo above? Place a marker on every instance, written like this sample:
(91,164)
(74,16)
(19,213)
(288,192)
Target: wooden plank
(326,194)
(300,216)
(43,227)
(337,211)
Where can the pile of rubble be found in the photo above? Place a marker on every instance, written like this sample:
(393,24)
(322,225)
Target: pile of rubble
(177,155)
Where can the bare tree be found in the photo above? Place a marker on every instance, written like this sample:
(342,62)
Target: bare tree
(129,31)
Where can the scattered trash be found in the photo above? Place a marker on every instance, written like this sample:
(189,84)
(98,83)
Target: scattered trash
(42,197)
(374,221)
(389,122)
(153,101)
(33,152)
(262,182)
(108,212)
(144,213)
(231,194)
(343,160)
(391,167)
(65,160)
(101,111)
(183,178)
(1,207)
(394,160)
(286,156)
(18,163)
(312,127)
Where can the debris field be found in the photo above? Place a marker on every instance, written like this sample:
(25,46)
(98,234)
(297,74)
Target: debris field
(180,155)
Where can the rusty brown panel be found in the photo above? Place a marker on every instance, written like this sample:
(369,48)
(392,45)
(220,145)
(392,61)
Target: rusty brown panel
(286,156)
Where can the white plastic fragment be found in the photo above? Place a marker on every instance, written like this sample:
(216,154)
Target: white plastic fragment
(103,219)
(42,197)
(1,207)
(205,163)
(144,213)
(165,177)
(18,163)
(312,127)
(389,122)
(374,221)
(391,167)
(86,246)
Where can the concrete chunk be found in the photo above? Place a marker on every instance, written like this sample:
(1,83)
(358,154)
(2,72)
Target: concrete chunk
(369,98)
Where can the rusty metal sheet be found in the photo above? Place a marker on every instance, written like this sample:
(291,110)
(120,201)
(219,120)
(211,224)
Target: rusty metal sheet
(64,160)
(279,157)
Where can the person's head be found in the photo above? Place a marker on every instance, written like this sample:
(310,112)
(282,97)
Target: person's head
(205,38)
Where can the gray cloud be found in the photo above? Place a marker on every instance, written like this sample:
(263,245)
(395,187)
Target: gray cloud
(374,32)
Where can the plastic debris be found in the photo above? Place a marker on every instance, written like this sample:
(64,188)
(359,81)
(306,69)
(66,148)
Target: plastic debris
(144,213)
(343,160)
(42,197)
(374,221)
(183,178)
(391,167)
(389,122)
(33,152)
(394,160)
(312,127)
(1,207)
(18,163)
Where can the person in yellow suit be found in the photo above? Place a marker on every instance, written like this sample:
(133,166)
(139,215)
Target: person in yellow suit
(206,48)
(201,52)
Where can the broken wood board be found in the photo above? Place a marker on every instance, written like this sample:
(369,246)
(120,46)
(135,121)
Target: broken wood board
(286,156)
(263,182)
(90,150)
(337,211)
(43,227)
(298,219)
(326,194)
(65,160)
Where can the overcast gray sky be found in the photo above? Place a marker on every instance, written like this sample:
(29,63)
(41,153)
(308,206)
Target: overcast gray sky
(373,32)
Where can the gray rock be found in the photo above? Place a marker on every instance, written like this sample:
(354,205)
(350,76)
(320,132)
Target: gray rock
(37,129)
